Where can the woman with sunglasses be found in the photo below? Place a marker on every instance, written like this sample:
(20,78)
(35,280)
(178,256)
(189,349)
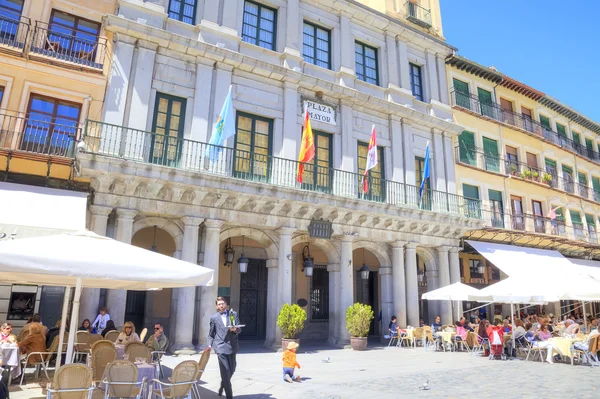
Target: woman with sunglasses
(128,334)
(6,335)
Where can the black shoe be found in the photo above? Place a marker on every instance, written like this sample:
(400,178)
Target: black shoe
(221,391)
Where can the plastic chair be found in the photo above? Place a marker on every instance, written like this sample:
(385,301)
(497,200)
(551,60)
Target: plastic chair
(103,353)
(121,380)
(72,381)
(143,334)
(112,336)
(393,335)
(134,350)
(183,380)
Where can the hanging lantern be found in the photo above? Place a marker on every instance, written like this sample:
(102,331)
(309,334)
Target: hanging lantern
(229,253)
(243,261)
(307,262)
(153,248)
(364,272)
(481,267)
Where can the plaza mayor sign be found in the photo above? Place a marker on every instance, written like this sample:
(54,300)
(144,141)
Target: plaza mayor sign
(320,112)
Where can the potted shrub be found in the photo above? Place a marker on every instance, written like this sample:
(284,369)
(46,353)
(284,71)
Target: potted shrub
(528,174)
(522,175)
(547,178)
(535,175)
(358,321)
(513,169)
(291,321)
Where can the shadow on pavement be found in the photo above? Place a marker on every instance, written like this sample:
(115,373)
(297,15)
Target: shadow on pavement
(206,394)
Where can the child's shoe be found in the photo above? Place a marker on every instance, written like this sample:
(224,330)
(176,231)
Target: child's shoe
(288,378)
(297,379)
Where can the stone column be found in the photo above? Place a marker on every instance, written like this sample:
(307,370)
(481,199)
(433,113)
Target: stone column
(201,129)
(409,156)
(347,76)
(285,266)
(430,71)
(441,72)
(455,278)
(387,300)
(186,297)
(273,333)
(209,293)
(346,286)
(449,161)
(334,303)
(444,278)
(116,93)
(88,307)
(392,60)
(293,34)
(287,147)
(230,16)
(412,285)
(439,166)
(116,299)
(139,106)
(403,65)
(399,281)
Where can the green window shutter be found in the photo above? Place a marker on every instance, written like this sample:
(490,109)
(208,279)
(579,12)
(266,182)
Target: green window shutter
(575,217)
(545,122)
(567,170)
(560,129)
(460,86)
(470,191)
(589,144)
(582,179)
(484,96)
(596,184)
(576,137)
(590,220)
(486,103)
(495,195)
(550,162)
(461,91)
(466,145)
(490,149)
(559,213)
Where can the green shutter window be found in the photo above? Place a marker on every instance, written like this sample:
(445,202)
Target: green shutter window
(461,91)
(466,147)
(589,145)
(495,195)
(576,137)
(490,149)
(545,122)
(470,191)
(551,163)
(485,102)
(575,216)
(567,170)
(561,130)
(559,213)
(582,179)
(596,184)
(496,208)
(590,220)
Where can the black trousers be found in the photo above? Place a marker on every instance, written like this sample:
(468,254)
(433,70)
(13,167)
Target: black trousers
(227,366)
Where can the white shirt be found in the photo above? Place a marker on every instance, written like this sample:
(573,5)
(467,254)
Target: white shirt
(101,321)
(224,318)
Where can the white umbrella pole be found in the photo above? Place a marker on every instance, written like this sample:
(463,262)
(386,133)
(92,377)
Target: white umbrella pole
(74,315)
(63,326)
(512,317)
(584,317)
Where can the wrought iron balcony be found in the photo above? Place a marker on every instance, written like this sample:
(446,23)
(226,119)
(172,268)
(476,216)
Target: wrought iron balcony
(37,135)
(13,34)
(418,15)
(148,147)
(70,49)
(491,110)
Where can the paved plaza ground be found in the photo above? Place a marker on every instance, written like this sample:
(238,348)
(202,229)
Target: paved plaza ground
(386,373)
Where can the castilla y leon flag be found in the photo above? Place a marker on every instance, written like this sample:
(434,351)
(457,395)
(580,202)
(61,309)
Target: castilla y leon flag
(371,159)
(307,149)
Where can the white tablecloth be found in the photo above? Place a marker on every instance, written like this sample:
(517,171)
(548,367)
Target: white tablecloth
(10,357)
(144,370)
(120,351)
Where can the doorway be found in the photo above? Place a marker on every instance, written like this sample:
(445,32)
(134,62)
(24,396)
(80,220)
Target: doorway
(253,300)
(51,302)
(366,293)
(134,309)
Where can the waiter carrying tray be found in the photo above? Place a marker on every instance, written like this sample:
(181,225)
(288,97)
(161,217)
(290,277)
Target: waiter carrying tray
(223,338)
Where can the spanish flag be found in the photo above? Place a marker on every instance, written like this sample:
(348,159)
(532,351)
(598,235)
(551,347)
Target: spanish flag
(307,149)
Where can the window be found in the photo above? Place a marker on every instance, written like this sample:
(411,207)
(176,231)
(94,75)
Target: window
(316,47)
(471,194)
(416,81)
(596,187)
(366,63)
(51,127)
(260,25)
(466,148)
(560,222)
(474,268)
(576,136)
(1,94)
(532,160)
(552,170)
(518,221)
(490,151)
(183,10)
(561,130)
(319,294)
(10,10)
(590,220)
(496,208)
(589,145)
(583,184)
(461,91)
(512,160)
(253,147)
(568,180)
(577,224)
(545,122)
(527,119)
(375,176)
(507,111)
(538,217)
(318,174)
(167,124)
(72,32)
(486,103)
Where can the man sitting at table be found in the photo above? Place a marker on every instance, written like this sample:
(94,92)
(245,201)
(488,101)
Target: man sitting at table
(465,324)
(506,326)
(572,328)
(158,342)
(436,325)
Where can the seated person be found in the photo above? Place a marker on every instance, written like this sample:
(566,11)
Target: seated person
(465,324)
(34,342)
(436,325)
(52,333)
(110,326)
(393,327)
(128,334)
(158,341)
(6,335)
(461,332)
(506,327)
(541,341)
(572,328)
(584,346)
(36,318)
(530,335)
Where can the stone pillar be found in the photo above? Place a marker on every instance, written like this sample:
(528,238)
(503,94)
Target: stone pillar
(230,16)
(186,296)
(347,76)
(88,307)
(409,156)
(387,297)
(412,285)
(285,266)
(444,278)
(399,282)
(403,65)
(430,71)
(117,299)
(287,147)
(334,303)
(346,286)
(201,129)
(397,155)
(441,72)
(392,60)
(455,278)
(449,161)
(293,34)
(348,142)
(142,87)
(116,93)
(273,333)
(439,166)
(209,293)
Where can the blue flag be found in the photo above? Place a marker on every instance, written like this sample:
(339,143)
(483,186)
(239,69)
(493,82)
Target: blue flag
(425,171)
(224,128)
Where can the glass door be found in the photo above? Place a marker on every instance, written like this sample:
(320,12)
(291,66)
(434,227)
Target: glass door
(517,212)
(538,217)
(168,124)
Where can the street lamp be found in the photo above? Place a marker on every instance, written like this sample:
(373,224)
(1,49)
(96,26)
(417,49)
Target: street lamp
(307,261)
(420,274)
(229,253)
(480,267)
(153,248)
(364,270)
(243,261)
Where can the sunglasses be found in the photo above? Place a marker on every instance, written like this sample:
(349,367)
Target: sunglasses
(156,328)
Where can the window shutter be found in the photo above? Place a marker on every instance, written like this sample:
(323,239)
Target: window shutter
(582,179)
(589,144)
(590,220)
(470,191)
(490,149)
(561,129)
(567,170)
(576,137)
(575,217)
(532,160)
(544,121)
(559,213)
(466,146)
(596,184)
(495,195)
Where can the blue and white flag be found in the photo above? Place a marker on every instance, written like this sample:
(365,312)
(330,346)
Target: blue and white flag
(426,171)
(224,128)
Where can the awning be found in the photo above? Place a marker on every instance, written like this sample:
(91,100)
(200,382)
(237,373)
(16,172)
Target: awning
(31,211)
(453,292)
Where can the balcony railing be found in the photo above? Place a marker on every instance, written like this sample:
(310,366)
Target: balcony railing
(418,15)
(148,147)
(37,135)
(13,33)
(77,50)
(493,111)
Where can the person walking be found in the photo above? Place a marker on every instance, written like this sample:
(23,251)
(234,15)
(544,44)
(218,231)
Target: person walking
(223,336)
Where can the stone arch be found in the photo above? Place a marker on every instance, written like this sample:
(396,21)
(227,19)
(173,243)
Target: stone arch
(167,225)
(328,247)
(376,249)
(259,236)
(428,257)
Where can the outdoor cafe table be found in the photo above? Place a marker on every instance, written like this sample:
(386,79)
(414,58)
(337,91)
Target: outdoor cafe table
(562,345)
(120,351)
(10,358)
(446,336)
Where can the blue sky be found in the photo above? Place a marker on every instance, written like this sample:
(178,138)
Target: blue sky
(547,44)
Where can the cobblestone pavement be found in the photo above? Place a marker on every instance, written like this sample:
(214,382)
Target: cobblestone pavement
(384,373)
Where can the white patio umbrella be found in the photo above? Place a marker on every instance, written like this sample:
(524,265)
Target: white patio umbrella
(84,259)
(453,292)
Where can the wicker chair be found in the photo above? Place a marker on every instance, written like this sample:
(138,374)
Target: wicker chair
(82,344)
(103,352)
(202,366)
(143,334)
(112,336)
(134,350)
(184,378)
(93,338)
(419,336)
(121,380)
(72,381)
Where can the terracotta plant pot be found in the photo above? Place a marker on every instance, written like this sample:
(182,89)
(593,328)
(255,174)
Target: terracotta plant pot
(358,343)
(286,341)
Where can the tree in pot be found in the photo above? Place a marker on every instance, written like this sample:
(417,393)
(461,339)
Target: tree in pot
(358,321)
(291,321)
